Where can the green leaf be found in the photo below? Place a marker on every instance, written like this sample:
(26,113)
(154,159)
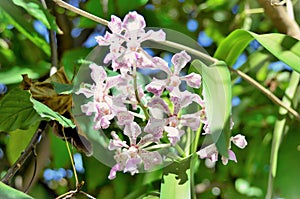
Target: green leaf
(280,127)
(45,112)
(11,193)
(16,111)
(35,9)
(70,60)
(17,142)
(285,48)
(13,75)
(60,156)
(217,97)
(13,15)
(62,88)
(176,182)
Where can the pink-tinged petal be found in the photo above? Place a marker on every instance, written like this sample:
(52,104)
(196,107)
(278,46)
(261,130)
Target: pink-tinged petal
(124,117)
(132,44)
(232,156)
(88,108)
(206,129)
(159,103)
(156,87)
(114,81)
(210,152)
(98,74)
(161,64)
(118,105)
(224,160)
(153,35)
(214,157)
(102,122)
(86,91)
(193,80)
(144,60)
(102,116)
(132,130)
(113,172)
(146,140)
(109,57)
(150,159)
(133,21)
(186,97)
(173,121)
(179,61)
(191,120)
(174,82)
(104,40)
(132,165)
(177,104)
(115,24)
(174,134)
(116,142)
(239,140)
(155,127)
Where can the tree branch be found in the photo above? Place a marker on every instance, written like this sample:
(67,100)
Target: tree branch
(268,93)
(280,18)
(81,12)
(283,19)
(26,153)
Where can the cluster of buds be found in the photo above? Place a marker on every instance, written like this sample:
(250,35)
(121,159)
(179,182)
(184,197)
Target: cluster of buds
(161,102)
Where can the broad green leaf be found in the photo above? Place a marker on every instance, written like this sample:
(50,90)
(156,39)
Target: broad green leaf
(151,197)
(13,15)
(70,60)
(13,75)
(35,9)
(45,112)
(16,111)
(285,48)
(280,125)
(62,88)
(288,176)
(217,99)
(17,142)
(176,181)
(11,193)
(60,156)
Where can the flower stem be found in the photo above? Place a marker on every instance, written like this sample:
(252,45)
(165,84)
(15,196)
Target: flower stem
(157,146)
(196,140)
(144,108)
(180,151)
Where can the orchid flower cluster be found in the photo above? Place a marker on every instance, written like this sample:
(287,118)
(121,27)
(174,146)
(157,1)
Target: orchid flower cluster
(163,113)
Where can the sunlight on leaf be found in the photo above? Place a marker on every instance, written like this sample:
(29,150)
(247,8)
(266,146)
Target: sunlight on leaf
(11,193)
(16,111)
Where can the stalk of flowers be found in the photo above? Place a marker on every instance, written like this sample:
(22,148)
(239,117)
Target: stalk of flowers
(162,121)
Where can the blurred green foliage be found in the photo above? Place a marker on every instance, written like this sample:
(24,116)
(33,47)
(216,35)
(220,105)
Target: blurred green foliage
(23,49)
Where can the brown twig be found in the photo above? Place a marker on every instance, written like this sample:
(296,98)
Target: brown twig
(283,19)
(53,46)
(268,93)
(25,154)
(280,18)
(81,12)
